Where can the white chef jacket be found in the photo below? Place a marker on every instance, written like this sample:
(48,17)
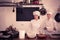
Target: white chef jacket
(35,24)
(50,24)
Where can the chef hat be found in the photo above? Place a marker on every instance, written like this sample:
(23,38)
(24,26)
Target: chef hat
(49,13)
(36,13)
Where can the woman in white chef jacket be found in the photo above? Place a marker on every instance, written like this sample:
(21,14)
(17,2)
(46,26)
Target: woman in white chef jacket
(35,24)
(50,24)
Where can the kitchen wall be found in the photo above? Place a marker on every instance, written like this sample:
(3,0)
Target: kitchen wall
(7,17)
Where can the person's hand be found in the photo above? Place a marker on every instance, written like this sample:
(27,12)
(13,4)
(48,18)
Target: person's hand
(54,29)
(45,28)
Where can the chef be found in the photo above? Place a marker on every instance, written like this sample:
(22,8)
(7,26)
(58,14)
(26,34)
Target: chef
(35,24)
(50,24)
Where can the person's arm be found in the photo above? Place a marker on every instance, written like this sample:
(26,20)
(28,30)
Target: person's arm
(31,25)
(42,28)
(55,25)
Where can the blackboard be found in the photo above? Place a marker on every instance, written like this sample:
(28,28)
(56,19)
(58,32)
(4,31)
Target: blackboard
(25,13)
